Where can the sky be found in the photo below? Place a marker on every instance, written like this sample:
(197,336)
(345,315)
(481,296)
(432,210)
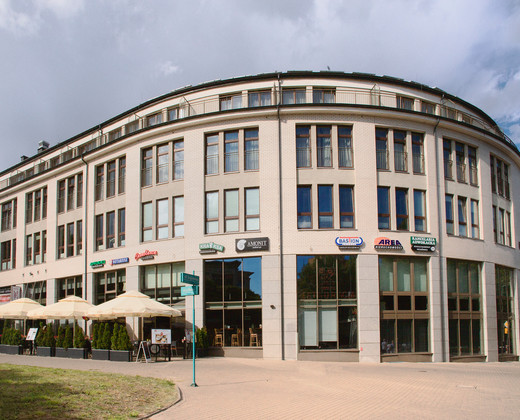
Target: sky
(68,65)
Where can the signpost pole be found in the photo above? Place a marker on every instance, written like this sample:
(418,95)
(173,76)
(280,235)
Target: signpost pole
(193,339)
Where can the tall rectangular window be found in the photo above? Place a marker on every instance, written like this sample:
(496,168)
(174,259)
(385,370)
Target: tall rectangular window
(508,228)
(251,150)
(400,154)
(345,147)
(147,220)
(419,207)
(401,208)
(8,251)
(346,206)
(324,146)
(122,175)
(121,227)
(304,207)
(61,241)
(506,181)
(259,98)
(178,159)
(79,195)
(448,163)
(462,216)
(111,178)
(505,304)
(178,216)
(70,239)
(231,210)
(111,229)
(325,207)
(79,237)
(382,148)
(501,226)
(212,154)
(450,230)
(383,207)
(162,219)
(28,250)
(37,205)
(472,163)
(495,227)
(163,163)
(44,246)
(231,151)
(212,212)
(37,248)
(461,163)
(99,232)
(61,196)
(303,147)
(100,182)
(252,207)
(8,215)
(146,167)
(500,179)
(29,207)
(418,153)
(475,231)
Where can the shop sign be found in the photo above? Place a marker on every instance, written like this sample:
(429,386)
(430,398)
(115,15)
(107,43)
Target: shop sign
(349,242)
(253,244)
(423,243)
(120,261)
(146,255)
(98,264)
(387,243)
(5,294)
(210,248)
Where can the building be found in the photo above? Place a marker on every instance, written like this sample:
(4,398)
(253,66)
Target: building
(330,216)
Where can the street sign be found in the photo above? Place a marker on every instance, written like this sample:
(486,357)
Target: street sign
(189,290)
(190,279)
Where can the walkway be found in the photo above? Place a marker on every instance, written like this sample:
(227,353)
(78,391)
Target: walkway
(272,389)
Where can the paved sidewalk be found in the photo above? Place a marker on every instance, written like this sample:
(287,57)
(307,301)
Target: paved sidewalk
(272,389)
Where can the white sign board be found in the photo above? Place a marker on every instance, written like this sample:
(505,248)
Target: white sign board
(31,335)
(161,337)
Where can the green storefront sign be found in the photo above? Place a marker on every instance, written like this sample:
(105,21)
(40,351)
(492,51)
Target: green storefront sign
(423,243)
(210,247)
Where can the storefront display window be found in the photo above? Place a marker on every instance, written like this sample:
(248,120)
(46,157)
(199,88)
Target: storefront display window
(109,284)
(162,283)
(327,305)
(403,285)
(233,295)
(71,286)
(505,310)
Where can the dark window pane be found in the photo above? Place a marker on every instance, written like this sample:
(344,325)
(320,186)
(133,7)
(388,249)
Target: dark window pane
(387,303)
(404,303)
(421,335)
(327,277)
(404,335)
(347,277)
(387,336)
(232,280)
(347,327)
(454,337)
(213,280)
(421,303)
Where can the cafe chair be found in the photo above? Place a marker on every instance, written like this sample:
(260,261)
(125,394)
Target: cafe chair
(217,340)
(253,338)
(235,338)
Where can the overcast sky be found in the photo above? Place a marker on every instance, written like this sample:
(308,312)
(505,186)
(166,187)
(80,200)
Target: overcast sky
(67,65)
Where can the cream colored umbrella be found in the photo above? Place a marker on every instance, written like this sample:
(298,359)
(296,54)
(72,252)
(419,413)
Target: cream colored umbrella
(132,304)
(71,307)
(18,309)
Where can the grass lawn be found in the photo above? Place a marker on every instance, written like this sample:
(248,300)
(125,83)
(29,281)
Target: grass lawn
(28,392)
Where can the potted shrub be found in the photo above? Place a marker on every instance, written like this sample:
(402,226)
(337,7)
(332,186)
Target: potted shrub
(46,342)
(121,347)
(101,341)
(72,343)
(201,342)
(11,341)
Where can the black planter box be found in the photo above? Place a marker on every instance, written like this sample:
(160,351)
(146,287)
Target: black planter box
(71,353)
(100,354)
(46,351)
(10,349)
(121,355)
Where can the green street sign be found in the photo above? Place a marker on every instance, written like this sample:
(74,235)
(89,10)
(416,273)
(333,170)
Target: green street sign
(190,279)
(189,290)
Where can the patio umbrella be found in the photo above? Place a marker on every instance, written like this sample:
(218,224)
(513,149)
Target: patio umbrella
(17,309)
(71,307)
(132,304)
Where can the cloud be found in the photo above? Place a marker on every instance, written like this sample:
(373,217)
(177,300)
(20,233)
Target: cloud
(167,68)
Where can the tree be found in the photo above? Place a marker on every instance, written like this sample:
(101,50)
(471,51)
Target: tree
(107,334)
(95,335)
(114,344)
(124,342)
(48,337)
(79,337)
(61,336)
(67,342)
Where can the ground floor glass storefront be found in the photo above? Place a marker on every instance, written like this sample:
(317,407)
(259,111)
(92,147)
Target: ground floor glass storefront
(403,285)
(327,302)
(233,301)
(505,310)
(109,284)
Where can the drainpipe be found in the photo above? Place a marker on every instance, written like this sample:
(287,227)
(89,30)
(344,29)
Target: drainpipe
(85,230)
(280,206)
(440,219)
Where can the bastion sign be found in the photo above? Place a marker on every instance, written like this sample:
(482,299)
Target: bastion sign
(349,242)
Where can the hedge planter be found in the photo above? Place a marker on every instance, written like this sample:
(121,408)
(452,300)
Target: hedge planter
(100,354)
(121,355)
(71,353)
(10,349)
(46,351)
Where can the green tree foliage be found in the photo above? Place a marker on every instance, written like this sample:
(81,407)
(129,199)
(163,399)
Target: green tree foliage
(95,335)
(79,337)
(40,334)
(115,338)
(61,336)
(11,336)
(48,337)
(124,342)
(106,338)
(202,338)
(67,342)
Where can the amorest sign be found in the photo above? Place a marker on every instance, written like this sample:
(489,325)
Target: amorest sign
(252,244)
